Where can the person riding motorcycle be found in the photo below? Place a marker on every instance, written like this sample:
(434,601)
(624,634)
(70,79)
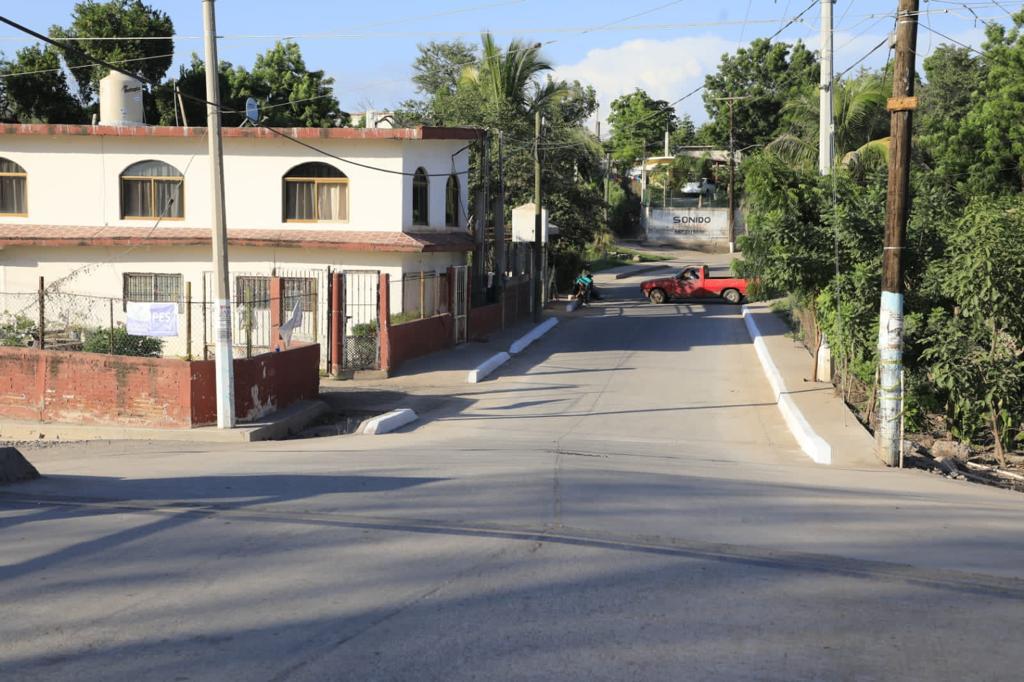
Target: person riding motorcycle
(584,286)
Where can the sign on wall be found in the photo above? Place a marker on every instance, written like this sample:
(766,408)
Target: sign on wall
(152,319)
(687,224)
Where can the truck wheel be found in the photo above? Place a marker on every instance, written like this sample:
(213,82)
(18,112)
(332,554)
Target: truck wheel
(732,296)
(658,296)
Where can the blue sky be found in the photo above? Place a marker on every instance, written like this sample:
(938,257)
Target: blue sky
(662,46)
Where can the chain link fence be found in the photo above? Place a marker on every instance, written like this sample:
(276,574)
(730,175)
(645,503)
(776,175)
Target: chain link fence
(57,320)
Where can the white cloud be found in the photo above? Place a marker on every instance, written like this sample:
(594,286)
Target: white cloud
(665,69)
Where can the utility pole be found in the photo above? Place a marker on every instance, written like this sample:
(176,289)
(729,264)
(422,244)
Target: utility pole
(607,185)
(538,247)
(826,129)
(480,234)
(732,181)
(499,220)
(224,361)
(890,319)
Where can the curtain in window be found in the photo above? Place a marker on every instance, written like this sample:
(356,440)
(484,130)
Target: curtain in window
(136,199)
(168,199)
(12,194)
(301,200)
(331,201)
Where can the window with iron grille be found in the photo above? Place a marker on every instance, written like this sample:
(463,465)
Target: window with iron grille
(12,189)
(254,290)
(152,287)
(298,288)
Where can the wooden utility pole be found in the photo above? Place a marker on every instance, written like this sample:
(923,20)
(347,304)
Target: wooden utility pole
(538,246)
(607,185)
(224,360)
(890,320)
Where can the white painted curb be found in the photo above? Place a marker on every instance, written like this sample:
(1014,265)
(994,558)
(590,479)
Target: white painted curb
(813,445)
(388,422)
(540,330)
(492,363)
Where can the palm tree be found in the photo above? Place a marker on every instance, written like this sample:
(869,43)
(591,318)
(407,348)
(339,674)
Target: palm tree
(859,115)
(509,77)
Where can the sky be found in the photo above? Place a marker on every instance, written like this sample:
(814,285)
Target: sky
(665,47)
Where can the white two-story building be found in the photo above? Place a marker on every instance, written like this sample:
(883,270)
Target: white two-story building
(124,211)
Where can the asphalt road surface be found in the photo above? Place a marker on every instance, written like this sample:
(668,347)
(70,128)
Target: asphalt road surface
(621,502)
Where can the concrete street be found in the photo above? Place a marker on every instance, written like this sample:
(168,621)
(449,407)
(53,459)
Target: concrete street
(620,502)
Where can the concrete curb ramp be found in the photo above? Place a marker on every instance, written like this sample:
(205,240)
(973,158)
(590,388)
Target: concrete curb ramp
(813,445)
(387,422)
(540,330)
(489,365)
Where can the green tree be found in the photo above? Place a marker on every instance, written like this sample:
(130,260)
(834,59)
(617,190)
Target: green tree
(768,75)
(638,124)
(439,66)
(152,50)
(990,140)
(977,350)
(288,92)
(861,122)
(510,79)
(954,76)
(42,94)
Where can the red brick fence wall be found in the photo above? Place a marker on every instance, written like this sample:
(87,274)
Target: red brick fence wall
(91,388)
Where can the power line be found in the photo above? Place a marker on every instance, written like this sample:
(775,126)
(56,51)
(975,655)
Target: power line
(84,66)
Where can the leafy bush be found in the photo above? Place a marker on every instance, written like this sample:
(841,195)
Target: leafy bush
(17,330)
(99,341)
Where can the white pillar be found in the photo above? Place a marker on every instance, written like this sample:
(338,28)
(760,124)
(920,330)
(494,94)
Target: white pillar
(825,124)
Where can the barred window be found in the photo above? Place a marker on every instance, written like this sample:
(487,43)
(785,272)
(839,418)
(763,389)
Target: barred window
(298,288)
(152,189)
(254,290)
(420,191)
(12,188)
(151,287)
(315,192)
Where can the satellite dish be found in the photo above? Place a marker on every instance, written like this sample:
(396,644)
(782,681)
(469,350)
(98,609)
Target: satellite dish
(252,111)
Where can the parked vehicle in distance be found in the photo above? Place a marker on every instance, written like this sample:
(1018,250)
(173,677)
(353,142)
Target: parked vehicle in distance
(694,281)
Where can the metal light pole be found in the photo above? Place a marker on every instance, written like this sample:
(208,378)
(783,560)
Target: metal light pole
(222,353)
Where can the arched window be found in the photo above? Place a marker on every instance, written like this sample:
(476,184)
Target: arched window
(152,189)
(315,192)
(420,185)
(12,189)
(452,200)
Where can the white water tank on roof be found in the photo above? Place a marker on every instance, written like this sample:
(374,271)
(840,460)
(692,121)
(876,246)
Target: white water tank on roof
(121,101)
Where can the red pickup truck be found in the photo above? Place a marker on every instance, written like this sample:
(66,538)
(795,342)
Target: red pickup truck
(693,281)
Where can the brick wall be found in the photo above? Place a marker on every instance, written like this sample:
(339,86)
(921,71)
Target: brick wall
(484,320)
(91,388)
(263,383)
(420,337)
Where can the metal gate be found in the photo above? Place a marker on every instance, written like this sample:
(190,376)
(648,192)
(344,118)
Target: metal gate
(460,302)
(361,347)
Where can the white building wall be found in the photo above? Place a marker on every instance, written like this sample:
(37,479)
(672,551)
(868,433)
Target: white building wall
(436,158)
(74,179)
